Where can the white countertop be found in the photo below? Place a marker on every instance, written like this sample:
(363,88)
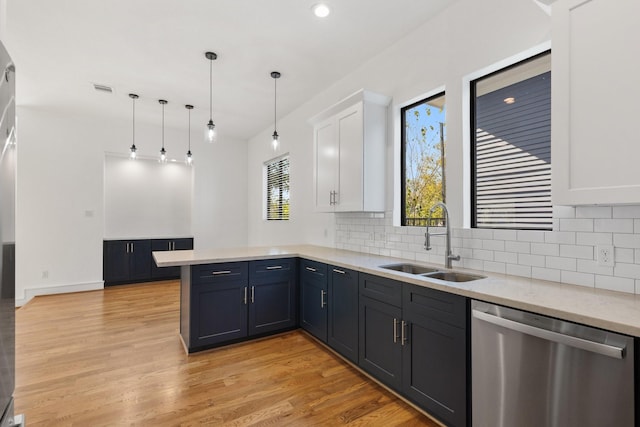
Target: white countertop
(615,311)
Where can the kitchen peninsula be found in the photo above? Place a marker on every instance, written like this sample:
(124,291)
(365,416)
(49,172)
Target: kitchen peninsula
(615,311)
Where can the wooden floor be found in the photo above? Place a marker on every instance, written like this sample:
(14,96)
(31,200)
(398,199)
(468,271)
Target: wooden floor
(114,358)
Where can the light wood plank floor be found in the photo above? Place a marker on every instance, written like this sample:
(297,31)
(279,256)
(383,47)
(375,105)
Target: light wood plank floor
(114,358)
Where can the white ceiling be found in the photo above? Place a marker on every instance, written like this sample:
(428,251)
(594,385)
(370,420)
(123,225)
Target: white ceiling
(155,48)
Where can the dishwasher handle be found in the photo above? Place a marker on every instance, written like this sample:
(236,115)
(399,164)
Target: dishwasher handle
(592,346)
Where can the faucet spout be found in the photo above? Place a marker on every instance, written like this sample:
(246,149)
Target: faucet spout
(448,257)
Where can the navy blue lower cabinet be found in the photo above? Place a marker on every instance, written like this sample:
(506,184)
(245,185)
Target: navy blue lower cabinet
(313,298)
(342,334)
(435,352)
(165,273)
(218,307)
(380,324)
(272,295)
(126,261)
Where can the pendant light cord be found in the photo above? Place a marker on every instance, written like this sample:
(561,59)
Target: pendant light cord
(275,103)
(134,121)
(163,126)
(211,89)
(189,129)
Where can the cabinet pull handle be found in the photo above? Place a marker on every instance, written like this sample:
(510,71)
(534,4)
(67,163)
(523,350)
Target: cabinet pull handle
(311,269)
(322,294)
(126,250)
(132,248)
(335,270)
(245,295)
(403,338)
(395,330)
(217,273)
(253,294)
(274,267)
(330,197)
(173,246)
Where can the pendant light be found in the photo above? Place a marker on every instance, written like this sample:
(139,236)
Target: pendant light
(189,156)
(275,136)
(133,149)
(210,130)
(163,152)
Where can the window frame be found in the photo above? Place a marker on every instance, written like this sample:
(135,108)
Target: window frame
(266,196)
(440,92)
(472,139)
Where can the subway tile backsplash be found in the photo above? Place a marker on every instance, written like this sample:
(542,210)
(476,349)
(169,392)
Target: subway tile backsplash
(568,254)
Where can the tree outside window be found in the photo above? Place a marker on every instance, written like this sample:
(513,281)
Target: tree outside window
(423,145)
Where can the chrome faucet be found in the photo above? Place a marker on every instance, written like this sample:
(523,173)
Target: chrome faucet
(448,256)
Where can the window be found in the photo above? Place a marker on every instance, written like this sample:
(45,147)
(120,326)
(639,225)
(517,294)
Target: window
(511,147)
(423,142)
(277,188)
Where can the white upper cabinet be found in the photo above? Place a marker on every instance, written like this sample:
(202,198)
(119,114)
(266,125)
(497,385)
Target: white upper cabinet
(349,154)
(595,102)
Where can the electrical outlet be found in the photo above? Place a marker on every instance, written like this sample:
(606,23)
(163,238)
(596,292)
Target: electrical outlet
(605,256)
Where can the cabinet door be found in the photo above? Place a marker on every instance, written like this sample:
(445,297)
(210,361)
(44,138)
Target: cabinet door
(343,312)
(115,261)
(140,260)
(326,150)
(594,143)
(218,304)
(183,244)
(351,151)
(273,297)
(313,298)
(158,245)
(435,355)
(380,349)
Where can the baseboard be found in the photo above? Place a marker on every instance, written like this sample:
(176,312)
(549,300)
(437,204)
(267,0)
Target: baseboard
(29,293)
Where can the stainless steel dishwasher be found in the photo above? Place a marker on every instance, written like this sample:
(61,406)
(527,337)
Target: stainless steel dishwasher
(532,370)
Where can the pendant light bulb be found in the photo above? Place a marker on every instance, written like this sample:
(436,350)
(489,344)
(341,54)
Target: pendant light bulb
(133,149)
(275,142)
(189,158)
(163,152)
(210,131)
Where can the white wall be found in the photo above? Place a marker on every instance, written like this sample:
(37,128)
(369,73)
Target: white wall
(60,180)
(466,37)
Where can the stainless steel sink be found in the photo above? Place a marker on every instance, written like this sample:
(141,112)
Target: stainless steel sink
(453,276)
(410,268)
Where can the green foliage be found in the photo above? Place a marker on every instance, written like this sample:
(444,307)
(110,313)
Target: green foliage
(424,162)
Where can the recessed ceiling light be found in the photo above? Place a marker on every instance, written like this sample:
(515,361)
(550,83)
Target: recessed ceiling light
(321,10)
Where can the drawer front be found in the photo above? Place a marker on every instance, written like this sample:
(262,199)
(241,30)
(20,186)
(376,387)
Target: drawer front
(430,303)
(381,289)
(314,268)
(269,270)
(220,272)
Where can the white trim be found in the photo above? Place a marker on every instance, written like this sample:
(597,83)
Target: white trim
(29,293)
(397,150)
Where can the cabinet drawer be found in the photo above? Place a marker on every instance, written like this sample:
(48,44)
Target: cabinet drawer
(220,272)
(442,306)
(314,268)
(382,289)
(271,267)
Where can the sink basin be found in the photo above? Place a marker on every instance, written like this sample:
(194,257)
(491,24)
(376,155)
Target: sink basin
(410,268)
(452,276)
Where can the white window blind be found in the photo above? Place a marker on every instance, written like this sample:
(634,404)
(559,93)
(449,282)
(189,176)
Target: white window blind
(277,190)
(512,173)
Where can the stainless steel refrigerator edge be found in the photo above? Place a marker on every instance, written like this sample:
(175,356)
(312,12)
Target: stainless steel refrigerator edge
(532,370)
(7,237)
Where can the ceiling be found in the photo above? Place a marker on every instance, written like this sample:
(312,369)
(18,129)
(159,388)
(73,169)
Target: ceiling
(155,48)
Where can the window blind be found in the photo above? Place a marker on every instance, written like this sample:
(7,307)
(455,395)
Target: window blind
(278,189)
(513,156)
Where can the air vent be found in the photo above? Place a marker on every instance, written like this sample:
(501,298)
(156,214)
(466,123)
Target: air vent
(102,88)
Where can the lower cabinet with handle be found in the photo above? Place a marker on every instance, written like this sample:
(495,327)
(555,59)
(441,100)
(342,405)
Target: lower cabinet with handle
(228,302)
(414,340)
